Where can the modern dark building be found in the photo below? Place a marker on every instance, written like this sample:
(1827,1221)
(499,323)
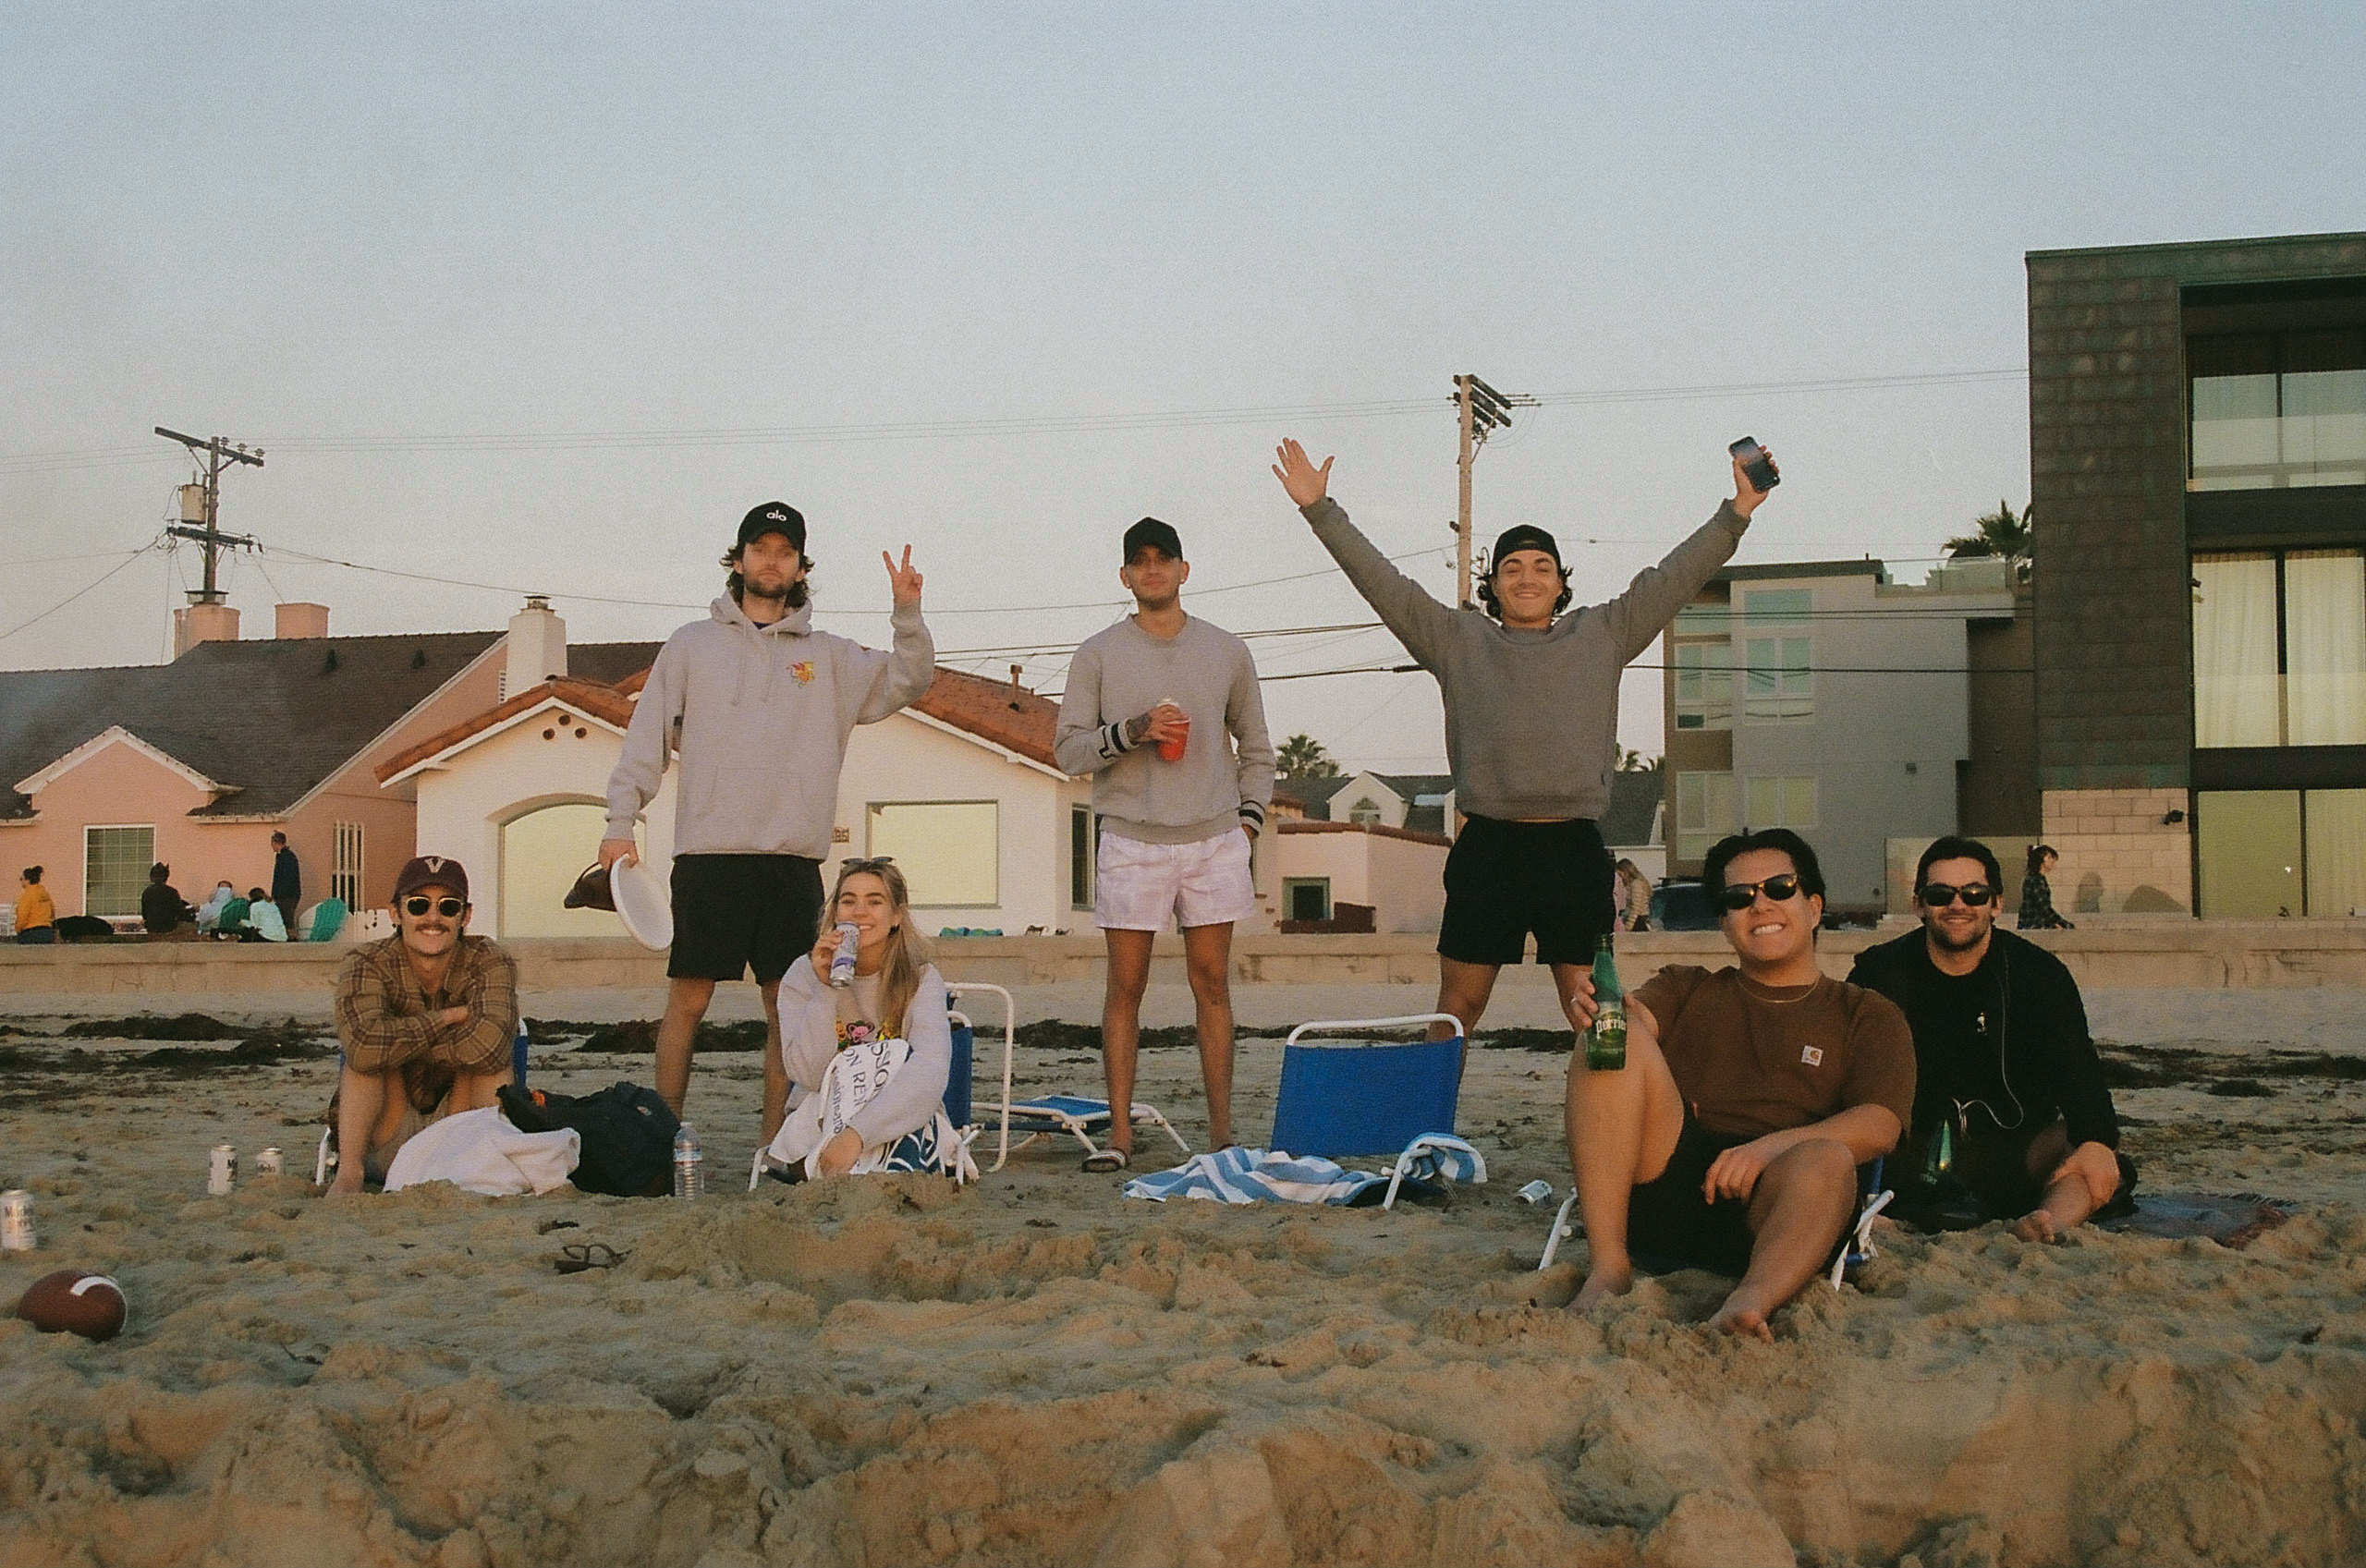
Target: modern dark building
(2197,474)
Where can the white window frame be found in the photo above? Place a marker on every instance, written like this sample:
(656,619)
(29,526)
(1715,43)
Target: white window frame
(1798,800)
(89,828)
(346,864)
(1706,807)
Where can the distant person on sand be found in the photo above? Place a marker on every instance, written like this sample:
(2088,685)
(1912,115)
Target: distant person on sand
(1635,892)
(1730,1141)
(36,912)
(428,1018)
(1532,731)
(2037,912)
(287,878)
(755,706)
(162,910)
(2010,1106)
(1164,710)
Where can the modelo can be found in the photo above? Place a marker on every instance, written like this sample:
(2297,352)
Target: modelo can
(17,1220)
(269,1163)
(223,1175)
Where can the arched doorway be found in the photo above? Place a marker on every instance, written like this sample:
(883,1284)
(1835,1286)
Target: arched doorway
(542,853)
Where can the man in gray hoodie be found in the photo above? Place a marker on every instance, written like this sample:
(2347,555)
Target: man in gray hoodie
(758,706)
(1532,731)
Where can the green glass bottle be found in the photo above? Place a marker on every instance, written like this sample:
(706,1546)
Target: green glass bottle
(1606,1039)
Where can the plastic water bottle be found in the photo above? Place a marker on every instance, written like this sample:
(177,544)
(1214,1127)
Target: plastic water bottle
(1607,1040)
(689,1165)
(842,961)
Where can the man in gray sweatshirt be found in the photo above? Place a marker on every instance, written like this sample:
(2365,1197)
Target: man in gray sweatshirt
(757,705)
(1164,710)
(1532,731)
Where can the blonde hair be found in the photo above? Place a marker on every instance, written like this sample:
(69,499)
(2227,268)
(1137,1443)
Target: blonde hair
(899,969)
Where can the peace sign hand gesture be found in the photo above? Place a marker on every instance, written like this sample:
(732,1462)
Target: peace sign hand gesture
(903,582)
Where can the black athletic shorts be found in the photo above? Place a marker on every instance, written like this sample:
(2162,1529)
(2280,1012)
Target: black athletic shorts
(734,914)
(1989,1179)
(1668,1221)
(1506,880)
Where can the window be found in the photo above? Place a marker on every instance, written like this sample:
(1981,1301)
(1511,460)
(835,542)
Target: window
(1777,606)
(115,869)
(2279,649)
(1083,842)
(2264,853)
(950,851)
(1366,811)
(1776,801)
(1305,898)
(1777,681)
(1705,812)
(345,871)
(2273,410)
(1700,646)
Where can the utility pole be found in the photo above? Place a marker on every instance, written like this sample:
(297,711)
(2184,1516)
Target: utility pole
(215,453)
(1482,410)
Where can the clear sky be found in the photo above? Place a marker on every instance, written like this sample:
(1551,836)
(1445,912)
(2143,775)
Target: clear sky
(904,267)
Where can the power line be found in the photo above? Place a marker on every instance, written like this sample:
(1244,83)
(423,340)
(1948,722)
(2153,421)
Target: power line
(1021,425)
(78,594)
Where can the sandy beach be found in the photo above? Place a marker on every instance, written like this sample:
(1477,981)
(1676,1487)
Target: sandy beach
(1036,1371)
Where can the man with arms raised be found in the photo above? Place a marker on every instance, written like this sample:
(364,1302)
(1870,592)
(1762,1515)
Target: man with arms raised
(758,706)
(2010,1106)
(1532,726)
(1730,1141)
(1163,710)
(428,1018)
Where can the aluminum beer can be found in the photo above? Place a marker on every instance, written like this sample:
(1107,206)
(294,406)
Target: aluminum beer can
(842,961)
(223,1175)
(1536,1192)
(269,1163)
(17,1220)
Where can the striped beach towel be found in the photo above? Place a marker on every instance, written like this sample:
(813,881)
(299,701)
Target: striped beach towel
(1258,1175)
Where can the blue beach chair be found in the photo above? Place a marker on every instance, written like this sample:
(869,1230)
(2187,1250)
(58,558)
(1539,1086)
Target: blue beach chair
(1351,1097)
(1080,1117)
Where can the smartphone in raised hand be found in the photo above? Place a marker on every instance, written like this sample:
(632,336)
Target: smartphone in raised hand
(1756,466)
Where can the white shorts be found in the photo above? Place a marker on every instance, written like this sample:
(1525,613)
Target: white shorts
(1141,887)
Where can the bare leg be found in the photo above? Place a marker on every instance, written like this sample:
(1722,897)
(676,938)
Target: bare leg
(477,1091)
(776,1068)
(1121,1027)
(2067,1202)
(686,1004)
(1622,1128)
(366,1114)
(1463,991)
(1804,1201)
(1207,951)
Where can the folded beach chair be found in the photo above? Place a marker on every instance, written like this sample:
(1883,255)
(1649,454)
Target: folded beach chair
(325,920)
(324,1159)
(1079,1116)
(1871,1199)
(1349,1097)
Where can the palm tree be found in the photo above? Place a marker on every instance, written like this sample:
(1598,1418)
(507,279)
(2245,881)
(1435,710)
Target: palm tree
(1302,757)
(2001,533)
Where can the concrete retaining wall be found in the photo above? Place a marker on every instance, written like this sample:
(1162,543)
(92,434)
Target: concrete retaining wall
(2208,955)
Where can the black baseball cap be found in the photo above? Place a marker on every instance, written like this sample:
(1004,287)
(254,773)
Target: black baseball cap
(1150,533)
(774,517)
(1527,536)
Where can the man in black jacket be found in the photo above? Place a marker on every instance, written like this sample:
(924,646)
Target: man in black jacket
(2010,1106)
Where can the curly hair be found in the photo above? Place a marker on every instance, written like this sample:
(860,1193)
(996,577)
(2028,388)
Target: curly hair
(1486,588)
(734,584)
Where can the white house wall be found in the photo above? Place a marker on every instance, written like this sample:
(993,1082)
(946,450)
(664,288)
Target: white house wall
(1403,880)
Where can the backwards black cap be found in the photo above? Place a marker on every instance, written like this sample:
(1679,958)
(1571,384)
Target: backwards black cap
(774,517)
(1527,536)
(1152,533)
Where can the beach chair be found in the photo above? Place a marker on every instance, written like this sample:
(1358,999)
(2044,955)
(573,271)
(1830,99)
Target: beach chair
(325,920)
(1080,1117)
(324,1158)
(1872,1197)
(1351,1096)
(959,1090)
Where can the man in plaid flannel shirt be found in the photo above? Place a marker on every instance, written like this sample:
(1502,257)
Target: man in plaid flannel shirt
(427,1018)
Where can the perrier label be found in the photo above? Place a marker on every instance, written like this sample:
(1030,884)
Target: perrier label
(1606,1038)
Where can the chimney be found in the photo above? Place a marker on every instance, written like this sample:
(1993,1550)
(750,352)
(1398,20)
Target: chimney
(300,620)
(1015,671)
(205,622)
(537,647)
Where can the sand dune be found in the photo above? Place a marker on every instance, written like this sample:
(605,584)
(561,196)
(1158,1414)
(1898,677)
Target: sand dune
(1038,1371)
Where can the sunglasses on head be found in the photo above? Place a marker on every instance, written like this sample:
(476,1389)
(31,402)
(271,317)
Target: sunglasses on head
(418,903)
(1938,895)
(868,863)
(1740,895)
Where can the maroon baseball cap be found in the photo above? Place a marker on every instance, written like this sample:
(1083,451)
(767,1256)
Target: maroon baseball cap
(431,870)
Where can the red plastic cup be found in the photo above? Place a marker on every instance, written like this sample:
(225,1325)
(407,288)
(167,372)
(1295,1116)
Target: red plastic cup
(1172,751)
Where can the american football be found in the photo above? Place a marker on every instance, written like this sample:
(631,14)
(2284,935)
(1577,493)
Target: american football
(75,1301)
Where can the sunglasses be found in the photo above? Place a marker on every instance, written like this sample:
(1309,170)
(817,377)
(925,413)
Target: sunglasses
(1741,895)
(418,903)
(868,863)
(1938,895)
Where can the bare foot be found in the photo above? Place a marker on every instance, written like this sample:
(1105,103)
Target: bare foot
(1600,1285)
(2036,1225)
(1742,1322)
(340,1186)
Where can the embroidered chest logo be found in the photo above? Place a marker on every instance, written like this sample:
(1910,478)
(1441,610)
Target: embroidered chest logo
(858,1033)
(803,671)
(1812,1056)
